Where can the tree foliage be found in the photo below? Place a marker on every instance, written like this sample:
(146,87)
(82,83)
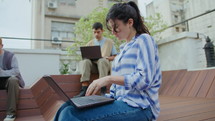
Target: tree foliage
(84,33)
(155,25)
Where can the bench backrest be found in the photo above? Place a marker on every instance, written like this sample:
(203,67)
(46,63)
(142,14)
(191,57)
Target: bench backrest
(200,83)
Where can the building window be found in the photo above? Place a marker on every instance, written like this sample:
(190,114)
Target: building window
(177,29)
(183,29)
(176,19)
(62,31)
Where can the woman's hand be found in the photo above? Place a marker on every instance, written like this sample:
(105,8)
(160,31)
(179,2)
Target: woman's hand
(97,84)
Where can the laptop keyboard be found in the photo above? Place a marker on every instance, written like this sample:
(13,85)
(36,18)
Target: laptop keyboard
(87,100)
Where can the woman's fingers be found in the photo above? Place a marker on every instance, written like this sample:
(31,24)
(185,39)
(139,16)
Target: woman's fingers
(95,86)
(95,90)
(89,90)
(92,89)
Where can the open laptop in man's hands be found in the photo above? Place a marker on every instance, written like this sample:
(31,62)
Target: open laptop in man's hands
(79,102)
(91,52)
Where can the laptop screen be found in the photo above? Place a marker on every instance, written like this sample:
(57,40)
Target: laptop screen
(56,88)
(79,102)
(91,52)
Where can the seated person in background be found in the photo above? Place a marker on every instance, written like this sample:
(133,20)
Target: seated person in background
(9,68)
(101,66)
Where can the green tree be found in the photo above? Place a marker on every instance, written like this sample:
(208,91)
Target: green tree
(83,29)
(84,33)
(155,25)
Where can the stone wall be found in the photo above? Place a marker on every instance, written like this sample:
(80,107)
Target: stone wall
(34,64)
(182,51)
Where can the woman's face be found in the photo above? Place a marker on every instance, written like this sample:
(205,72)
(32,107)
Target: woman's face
(122,30)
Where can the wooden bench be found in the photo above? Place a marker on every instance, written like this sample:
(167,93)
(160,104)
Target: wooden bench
(26,107)
(184,96)
(39,102)
(187,95)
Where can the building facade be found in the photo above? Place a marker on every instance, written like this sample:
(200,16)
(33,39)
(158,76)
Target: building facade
(185,15)
(172,12)
(54,20)
(205,23)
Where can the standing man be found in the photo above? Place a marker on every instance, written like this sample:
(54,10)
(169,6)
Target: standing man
(11,80)
(101,66)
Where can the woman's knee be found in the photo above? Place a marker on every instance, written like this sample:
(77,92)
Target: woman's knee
(67,115)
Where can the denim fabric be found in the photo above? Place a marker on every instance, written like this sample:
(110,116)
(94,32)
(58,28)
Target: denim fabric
(116,111)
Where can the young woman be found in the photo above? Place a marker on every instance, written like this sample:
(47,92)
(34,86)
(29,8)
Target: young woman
(135,78)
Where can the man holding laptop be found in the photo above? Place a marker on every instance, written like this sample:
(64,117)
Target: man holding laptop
(102,65)
(10,79)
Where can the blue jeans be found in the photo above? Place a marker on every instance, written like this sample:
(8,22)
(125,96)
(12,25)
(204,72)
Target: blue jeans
(116,111)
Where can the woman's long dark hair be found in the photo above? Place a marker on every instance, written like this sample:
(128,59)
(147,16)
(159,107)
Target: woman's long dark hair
(125,11)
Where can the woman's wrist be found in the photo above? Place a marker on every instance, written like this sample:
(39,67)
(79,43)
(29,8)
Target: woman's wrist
(110,79)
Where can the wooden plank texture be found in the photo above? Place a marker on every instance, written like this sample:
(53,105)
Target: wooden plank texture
(184,96)
(190,83)
(205,87)
(187,109)
(166,84)
(197,84)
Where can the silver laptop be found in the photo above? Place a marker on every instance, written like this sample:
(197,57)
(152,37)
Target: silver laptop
(91,52)
(79,102)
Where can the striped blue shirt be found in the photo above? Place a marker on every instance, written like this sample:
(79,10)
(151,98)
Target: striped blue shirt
(138,62)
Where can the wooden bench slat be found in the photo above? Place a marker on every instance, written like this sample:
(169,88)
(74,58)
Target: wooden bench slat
(197,84)
(67,78)
(39,87)
(27,103)
(187,104)
(28,112)
(41,99)
(25,93)
(31,118)
(182,83)
(211,92)
(169,99)
(189,84)
(68,87)
(185,112)
(165,77)
(197,117)
(187,108)
(45,109)
(50,112)
(167,83)
(176,82)
(205,87)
